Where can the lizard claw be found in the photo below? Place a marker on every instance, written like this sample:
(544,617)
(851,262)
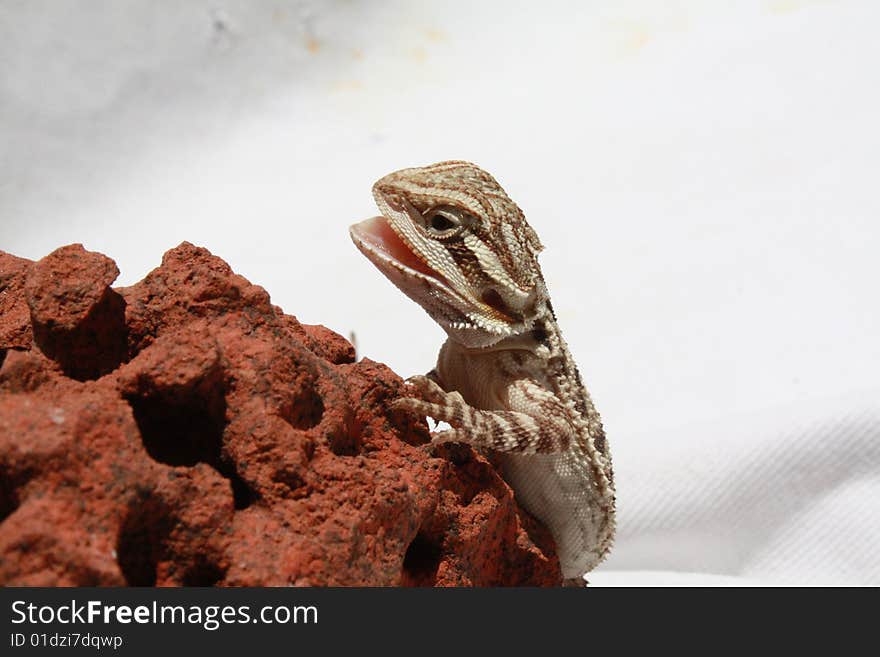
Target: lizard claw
(426,393)
(438,411)
(433,401)
(427,388)
(447,436)
(411,404)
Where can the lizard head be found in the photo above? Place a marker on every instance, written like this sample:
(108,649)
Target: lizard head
(453,241)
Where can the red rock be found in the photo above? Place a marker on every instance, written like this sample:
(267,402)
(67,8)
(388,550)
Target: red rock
(184,431)
(77,319)
(15,324)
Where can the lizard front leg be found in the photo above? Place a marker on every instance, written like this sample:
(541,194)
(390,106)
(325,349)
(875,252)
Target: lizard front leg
(538,421)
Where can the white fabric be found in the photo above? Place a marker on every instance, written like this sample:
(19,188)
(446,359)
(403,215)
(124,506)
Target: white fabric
(704,178)
(788,495)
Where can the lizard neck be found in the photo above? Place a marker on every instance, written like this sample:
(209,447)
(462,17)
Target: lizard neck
(544,340)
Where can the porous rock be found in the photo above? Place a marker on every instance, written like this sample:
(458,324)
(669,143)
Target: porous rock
(185,431)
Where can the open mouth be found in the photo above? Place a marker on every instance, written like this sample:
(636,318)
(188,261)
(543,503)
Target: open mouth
(392,254)
(378,238)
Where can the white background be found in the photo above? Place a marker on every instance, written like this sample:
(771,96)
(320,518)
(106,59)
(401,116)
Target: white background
(704,176)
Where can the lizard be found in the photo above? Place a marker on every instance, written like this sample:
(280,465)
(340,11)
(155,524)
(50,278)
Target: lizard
(451,239)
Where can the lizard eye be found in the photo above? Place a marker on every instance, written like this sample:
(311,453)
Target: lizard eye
(441,222)
(446,221)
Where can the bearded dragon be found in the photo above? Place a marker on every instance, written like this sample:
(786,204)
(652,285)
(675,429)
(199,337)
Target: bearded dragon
(451,239)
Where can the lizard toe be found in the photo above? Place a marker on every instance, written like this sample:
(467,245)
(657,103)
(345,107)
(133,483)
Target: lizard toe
(427,388)
(447,436)
(442,412)
(407,404)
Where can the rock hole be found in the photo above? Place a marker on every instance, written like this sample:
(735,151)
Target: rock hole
(304,410)
(292,478)
(141,539)
(93,348)
(182,429)
(184,426)
(242,494)
(343,440)
(421,561)
(2,356)
(203,573)
(9,501)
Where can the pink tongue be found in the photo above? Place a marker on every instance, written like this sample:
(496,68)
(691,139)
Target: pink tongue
(379,234)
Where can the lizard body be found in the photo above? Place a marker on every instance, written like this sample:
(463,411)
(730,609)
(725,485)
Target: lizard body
(452,240)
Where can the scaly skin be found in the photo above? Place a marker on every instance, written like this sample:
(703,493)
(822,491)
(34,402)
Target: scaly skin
(452,240)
